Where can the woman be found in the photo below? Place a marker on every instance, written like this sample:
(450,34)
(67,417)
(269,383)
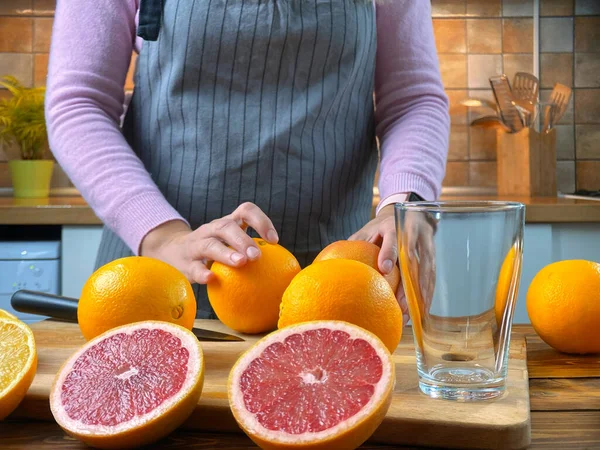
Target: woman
(255,113)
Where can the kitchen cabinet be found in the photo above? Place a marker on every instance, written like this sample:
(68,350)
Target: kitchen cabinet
(543,244)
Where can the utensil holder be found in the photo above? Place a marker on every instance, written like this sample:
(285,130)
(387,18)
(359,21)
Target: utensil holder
(526,163)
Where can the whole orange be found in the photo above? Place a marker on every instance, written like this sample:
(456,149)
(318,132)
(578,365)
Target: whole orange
(133,289)
(347,290)
(563,303)
(362,251)
(247,298)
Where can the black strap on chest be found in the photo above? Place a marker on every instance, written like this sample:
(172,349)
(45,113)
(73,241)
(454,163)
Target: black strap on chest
(150,19)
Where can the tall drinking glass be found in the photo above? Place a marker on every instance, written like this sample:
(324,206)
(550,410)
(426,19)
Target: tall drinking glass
(461,268)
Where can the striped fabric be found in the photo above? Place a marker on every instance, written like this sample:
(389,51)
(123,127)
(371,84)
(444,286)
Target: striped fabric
(267,101)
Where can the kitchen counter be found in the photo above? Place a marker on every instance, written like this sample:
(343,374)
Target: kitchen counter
(73,210)
(564,402)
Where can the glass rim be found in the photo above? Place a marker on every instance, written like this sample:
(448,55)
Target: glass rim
(463,206)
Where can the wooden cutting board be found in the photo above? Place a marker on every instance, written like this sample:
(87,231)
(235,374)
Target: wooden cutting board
(413,418)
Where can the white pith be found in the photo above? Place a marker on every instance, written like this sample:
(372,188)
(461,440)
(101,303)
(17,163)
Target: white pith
(195,362)
(252,424)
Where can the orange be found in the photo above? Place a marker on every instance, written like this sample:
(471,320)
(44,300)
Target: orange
(133,396)
(342,289)
(316,401)
(362,251)
(18,363)
(6,315)
(563,303)
(504,280)
(247,298)
(133,289)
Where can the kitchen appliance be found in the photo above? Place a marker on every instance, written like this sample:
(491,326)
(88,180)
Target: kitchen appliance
(28,265)
(65,308)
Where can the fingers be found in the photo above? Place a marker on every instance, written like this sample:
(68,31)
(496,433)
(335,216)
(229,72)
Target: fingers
(427,267)
(401,297)
(199,273)
(388,255)
(213,249)
(251,215)
(227,230)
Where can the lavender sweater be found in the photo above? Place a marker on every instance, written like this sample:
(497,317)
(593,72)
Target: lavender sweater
(91,49)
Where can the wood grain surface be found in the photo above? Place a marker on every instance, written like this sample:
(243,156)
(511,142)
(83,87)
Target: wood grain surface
(502,424)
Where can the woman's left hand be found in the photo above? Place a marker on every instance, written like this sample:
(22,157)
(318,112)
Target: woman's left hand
(381,231)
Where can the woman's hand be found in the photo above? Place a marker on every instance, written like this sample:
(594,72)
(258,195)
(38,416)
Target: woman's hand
(224,240)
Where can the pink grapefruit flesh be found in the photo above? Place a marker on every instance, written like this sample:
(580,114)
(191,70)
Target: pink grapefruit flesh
(119,388)
(312,384)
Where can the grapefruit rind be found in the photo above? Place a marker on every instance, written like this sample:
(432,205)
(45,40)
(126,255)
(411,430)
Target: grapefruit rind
(14,393)
(149,427)
(349,433)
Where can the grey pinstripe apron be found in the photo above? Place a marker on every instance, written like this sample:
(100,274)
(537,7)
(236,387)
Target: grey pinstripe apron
(267,101)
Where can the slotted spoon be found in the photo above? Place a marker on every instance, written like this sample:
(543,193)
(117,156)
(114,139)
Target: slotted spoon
(525,90)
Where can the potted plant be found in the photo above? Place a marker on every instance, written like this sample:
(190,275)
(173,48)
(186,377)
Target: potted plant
(22,123)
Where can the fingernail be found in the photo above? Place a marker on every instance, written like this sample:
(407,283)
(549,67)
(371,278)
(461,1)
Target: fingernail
(252,252)
(237,257)
(387,265)
(272,236)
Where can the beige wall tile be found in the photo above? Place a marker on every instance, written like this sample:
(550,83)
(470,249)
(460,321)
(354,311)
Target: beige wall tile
(484,35)
(556,68)
(565,142)
(454,70)
(459,143)
(484,8)
(448,7)
(588,175)
(567,118)
(587,70)
(16,34)
(450,35)
(457,174)
(129,84)
(556,34)
(42,33)
(5,180)
(19,65)
(482,173)
(517,35)
(484,94)
(515,62)
(482,144)
(565,176)
(556,7)
(587,7)
(587,106)
(44,7)
(588,141)
(60,178)
(15,7)
(458,112)
(517,8)
(587,34)
(481,68)
(40,69)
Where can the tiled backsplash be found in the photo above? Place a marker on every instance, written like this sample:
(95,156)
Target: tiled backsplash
(475,39)
(479,38)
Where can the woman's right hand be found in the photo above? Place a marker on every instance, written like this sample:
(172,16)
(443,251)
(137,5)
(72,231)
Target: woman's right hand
(224,240)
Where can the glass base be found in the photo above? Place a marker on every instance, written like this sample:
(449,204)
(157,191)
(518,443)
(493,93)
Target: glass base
(461,384)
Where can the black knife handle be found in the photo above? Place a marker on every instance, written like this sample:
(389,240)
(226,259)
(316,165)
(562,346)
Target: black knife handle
(43,304)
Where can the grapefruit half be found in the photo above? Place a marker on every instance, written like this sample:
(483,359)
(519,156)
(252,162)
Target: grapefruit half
(314,385)
(129,386)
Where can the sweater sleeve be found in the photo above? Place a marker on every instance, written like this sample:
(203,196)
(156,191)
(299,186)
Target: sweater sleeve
(413,121)
(92,43)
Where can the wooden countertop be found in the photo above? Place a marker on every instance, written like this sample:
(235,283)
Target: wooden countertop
(75,211)
(564,401)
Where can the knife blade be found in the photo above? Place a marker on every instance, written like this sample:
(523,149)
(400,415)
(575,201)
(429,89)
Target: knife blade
(65,308)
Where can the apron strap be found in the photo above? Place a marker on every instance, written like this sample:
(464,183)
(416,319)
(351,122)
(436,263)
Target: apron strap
(150,19)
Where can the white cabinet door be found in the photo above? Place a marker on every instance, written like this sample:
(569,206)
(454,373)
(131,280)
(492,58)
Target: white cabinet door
(79,249)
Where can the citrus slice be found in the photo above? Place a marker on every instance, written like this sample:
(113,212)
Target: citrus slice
(6,315)
(18,363)
(317,385)
(129,386)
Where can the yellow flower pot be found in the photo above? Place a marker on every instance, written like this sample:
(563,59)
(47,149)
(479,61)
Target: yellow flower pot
(31,178)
